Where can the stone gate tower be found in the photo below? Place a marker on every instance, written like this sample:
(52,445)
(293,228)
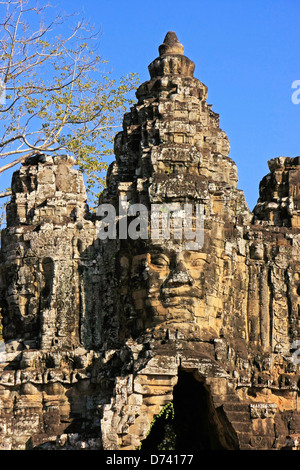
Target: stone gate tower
(103,332)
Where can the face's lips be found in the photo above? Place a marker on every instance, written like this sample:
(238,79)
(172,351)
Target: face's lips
(179,302)
(180,292)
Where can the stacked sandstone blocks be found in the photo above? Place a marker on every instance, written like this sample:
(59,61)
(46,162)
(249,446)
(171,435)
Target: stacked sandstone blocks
(102,334)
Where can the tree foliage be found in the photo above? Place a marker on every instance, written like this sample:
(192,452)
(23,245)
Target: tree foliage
(161,434)
(57,94)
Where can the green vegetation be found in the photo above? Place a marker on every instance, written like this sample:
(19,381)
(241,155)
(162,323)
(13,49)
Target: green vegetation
(57,94)
(161,434)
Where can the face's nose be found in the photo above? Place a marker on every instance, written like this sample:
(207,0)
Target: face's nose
(179,275)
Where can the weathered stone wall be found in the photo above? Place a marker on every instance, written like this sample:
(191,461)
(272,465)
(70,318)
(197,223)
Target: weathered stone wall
(46,247)
(101,334)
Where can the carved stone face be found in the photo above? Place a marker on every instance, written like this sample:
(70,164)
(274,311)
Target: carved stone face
(168,285)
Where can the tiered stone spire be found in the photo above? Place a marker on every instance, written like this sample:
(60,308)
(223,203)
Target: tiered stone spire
(171,139)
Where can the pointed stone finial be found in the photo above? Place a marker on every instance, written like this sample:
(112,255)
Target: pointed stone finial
(171,45)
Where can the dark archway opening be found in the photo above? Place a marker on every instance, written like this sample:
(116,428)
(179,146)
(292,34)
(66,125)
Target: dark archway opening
(190,423)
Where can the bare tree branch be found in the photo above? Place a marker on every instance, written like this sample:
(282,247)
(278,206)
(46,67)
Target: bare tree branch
(5,194)
(17,160)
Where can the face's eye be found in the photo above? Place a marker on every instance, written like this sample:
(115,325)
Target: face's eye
(159,260)
(197,262)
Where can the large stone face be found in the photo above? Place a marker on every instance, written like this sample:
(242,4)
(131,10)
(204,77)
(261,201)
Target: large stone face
(172,151)
(102,332)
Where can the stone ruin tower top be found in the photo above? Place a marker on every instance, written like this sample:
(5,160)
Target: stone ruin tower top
(171,45)
(180,64)
(171,146)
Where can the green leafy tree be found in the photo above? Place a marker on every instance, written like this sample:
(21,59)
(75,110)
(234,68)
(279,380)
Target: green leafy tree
(56,94)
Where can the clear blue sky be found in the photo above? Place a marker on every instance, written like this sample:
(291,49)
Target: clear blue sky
(246,51)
